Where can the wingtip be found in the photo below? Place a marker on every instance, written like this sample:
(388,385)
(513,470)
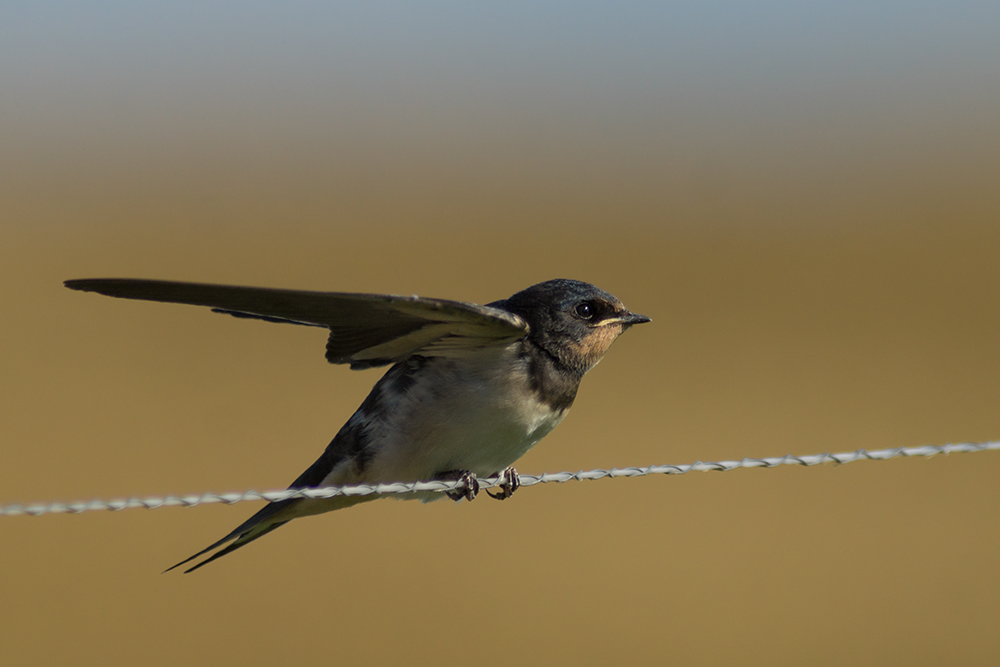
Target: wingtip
(186,560)
(91,284)
(197,565)
(190,569)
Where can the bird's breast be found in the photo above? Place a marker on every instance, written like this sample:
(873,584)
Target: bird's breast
(478,413)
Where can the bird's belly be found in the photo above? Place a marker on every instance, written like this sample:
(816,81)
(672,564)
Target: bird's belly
(483,439)
(475,423)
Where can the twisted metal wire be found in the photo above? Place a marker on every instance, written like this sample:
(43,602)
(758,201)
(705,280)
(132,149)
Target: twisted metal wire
(157,502)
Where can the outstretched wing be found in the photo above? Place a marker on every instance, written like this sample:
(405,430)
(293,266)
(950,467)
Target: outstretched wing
(366,330)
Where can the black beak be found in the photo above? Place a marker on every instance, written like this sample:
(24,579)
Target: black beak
(628,319)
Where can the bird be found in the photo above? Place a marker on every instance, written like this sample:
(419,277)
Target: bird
(470,388)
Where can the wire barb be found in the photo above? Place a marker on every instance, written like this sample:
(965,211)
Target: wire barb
(489,482)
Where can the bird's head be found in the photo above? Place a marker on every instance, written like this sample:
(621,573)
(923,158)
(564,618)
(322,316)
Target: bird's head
(573,321)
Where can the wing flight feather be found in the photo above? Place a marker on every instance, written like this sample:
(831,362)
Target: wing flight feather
(365,329)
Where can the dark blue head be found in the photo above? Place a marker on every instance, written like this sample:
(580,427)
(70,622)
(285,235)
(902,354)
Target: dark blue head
(573,321)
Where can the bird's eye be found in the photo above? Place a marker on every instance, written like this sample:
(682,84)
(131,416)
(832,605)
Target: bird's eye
(584,311)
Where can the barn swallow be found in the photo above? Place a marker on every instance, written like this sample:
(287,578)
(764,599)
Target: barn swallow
(471,388)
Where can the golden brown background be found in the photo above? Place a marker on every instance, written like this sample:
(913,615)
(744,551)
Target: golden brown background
(806,204)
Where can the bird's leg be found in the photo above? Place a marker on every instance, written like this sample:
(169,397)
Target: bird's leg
(508,482)
(469,487)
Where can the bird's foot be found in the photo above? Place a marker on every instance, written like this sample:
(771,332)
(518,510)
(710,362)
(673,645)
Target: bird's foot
(508,482)
(468,488)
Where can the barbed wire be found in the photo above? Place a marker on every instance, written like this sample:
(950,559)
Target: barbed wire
(157,502)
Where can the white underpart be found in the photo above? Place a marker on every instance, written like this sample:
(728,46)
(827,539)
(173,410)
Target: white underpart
(476,413)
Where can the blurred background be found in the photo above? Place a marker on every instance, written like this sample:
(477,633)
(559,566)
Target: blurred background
(802,196)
